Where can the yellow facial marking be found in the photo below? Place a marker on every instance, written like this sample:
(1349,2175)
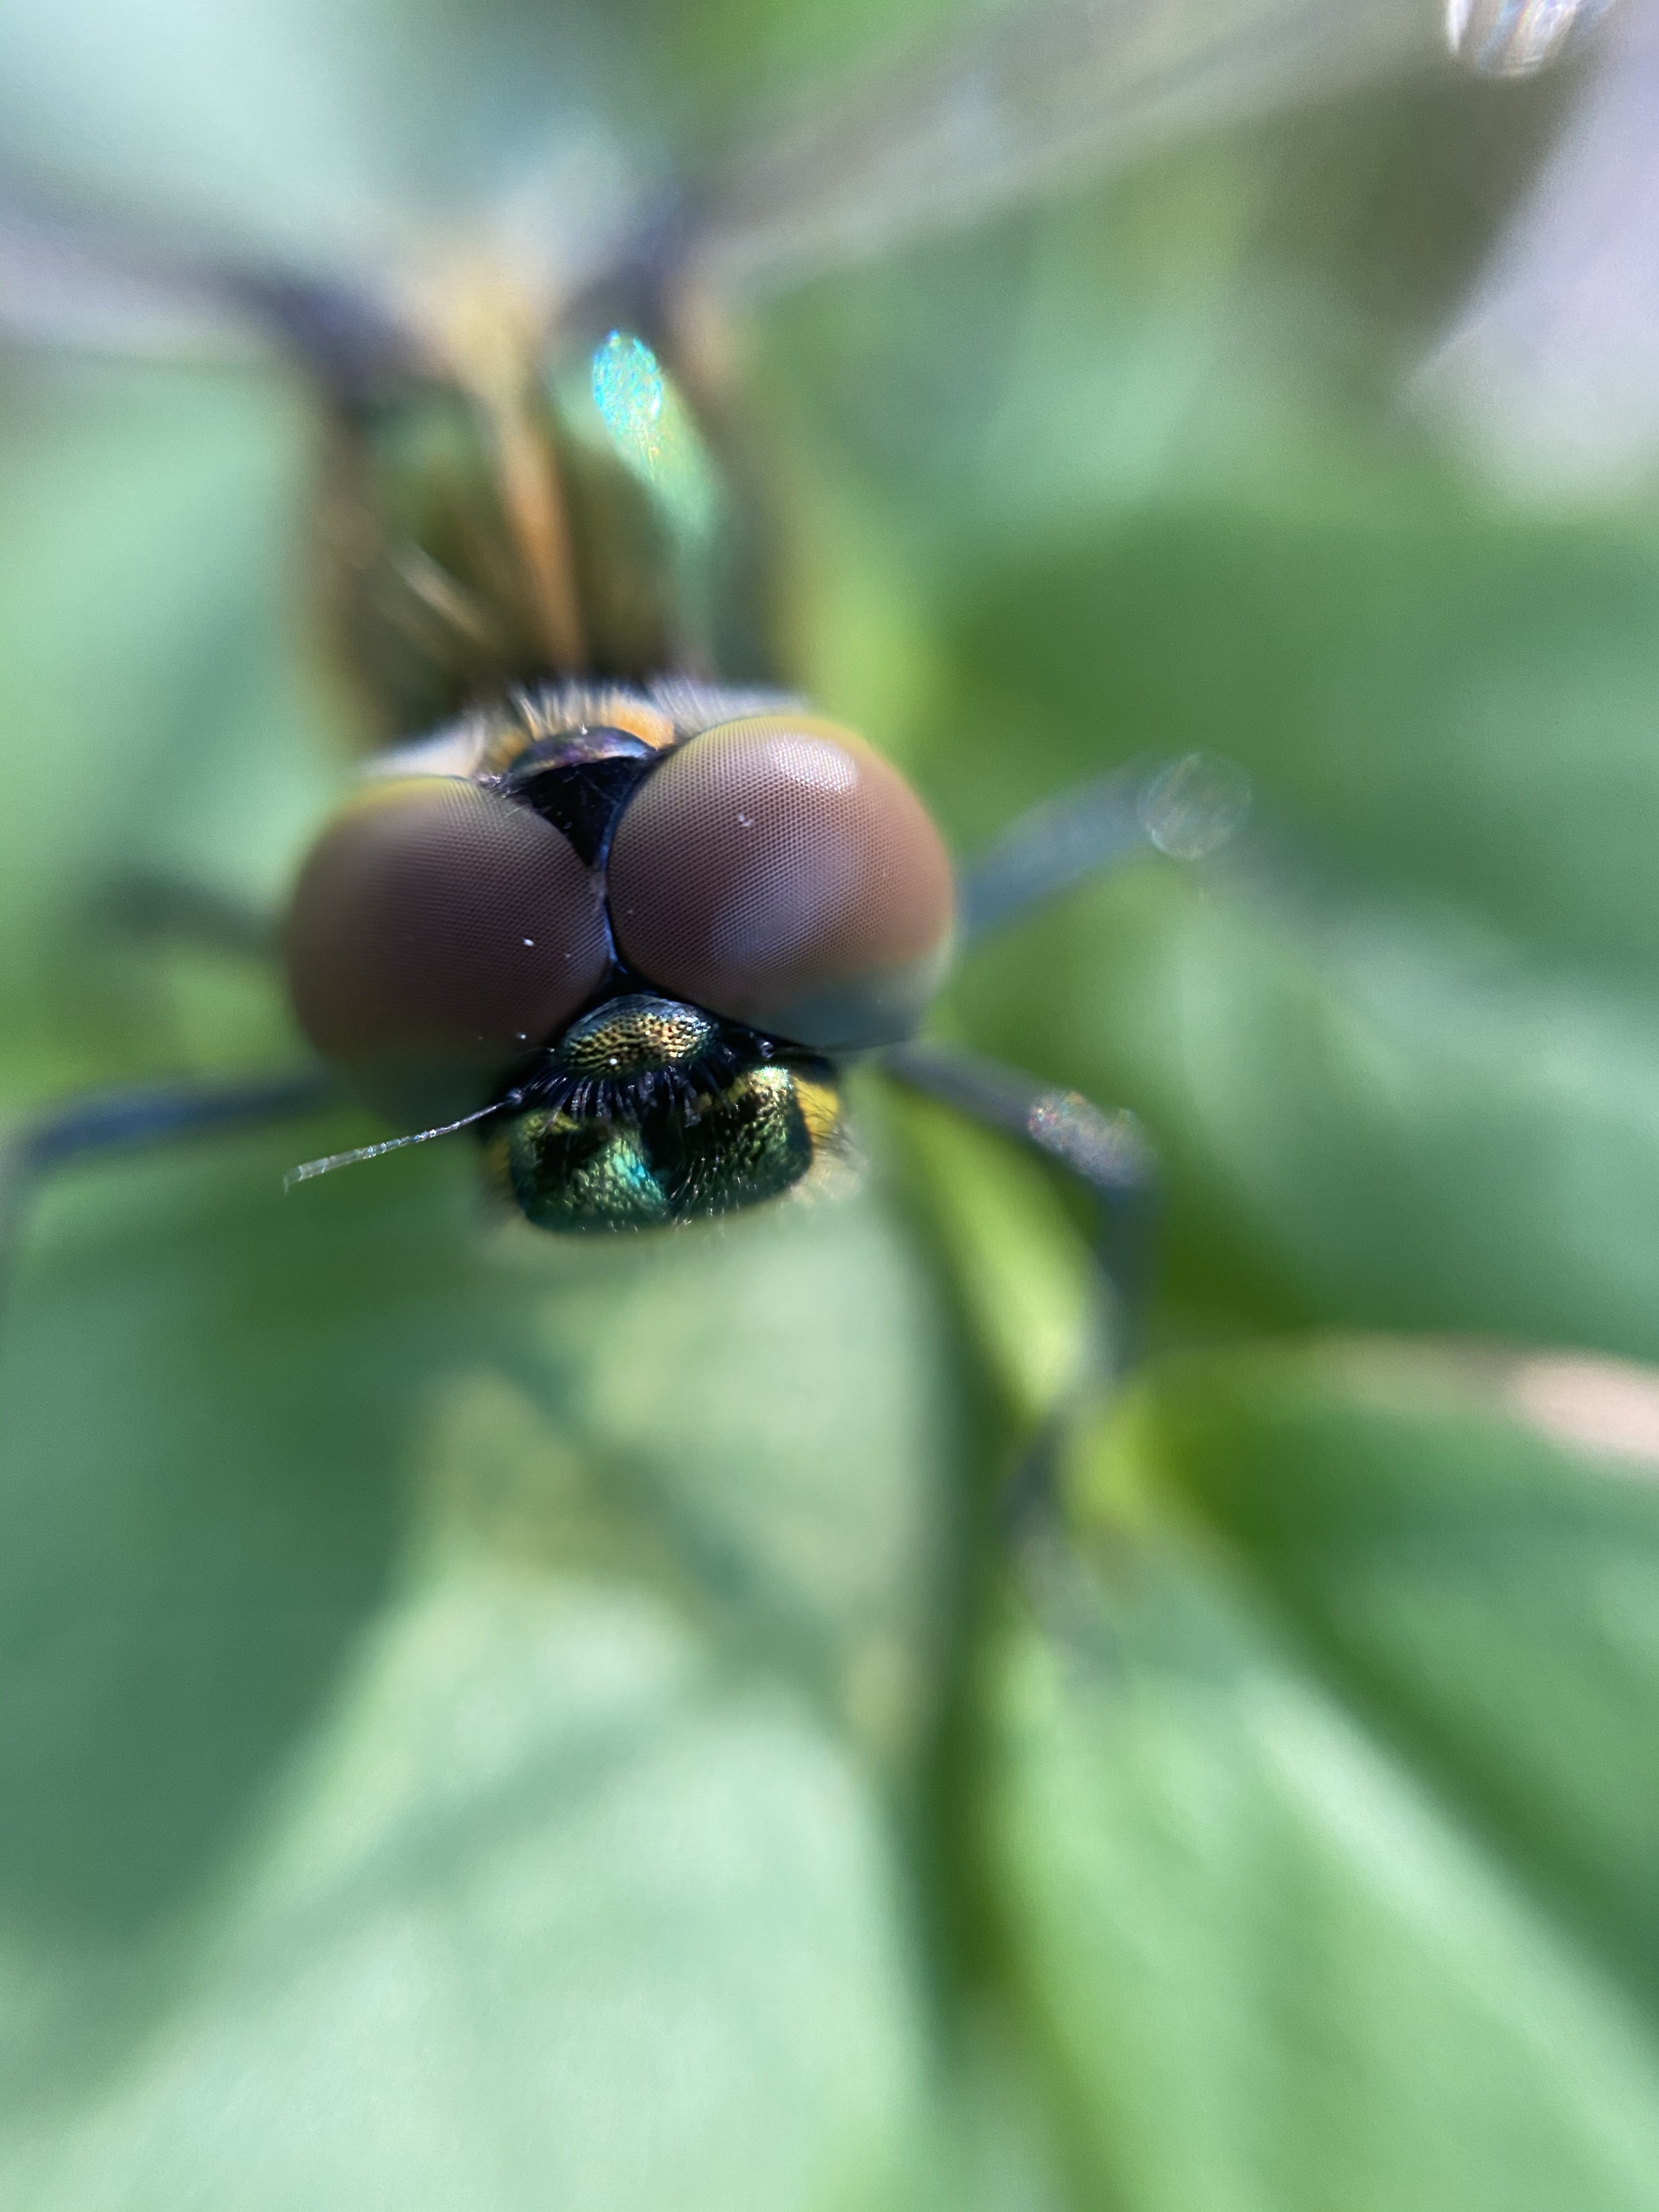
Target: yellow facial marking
(820,1109)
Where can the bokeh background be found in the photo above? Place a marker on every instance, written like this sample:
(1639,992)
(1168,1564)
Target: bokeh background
(486,1725)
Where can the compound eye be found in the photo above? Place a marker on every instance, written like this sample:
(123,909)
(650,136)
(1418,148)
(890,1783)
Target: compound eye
(436,930)
(778,871)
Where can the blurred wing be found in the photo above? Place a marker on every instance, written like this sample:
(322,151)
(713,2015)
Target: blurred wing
(1036,95)
(59,288)
(88,286)
(1553,369)
(1039,95)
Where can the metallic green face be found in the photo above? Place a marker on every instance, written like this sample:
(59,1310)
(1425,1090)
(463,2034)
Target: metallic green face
(651,1112)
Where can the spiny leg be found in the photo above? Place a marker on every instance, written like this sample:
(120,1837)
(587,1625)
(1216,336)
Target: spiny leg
(1188,808)
(152,907)
(1107,1153)
(130,1119)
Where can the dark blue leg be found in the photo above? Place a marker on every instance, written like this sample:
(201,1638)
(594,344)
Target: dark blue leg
(1054,845)
(117,1120)
(1108,1153)
(1188,808)
(1110,1156)
(164,909)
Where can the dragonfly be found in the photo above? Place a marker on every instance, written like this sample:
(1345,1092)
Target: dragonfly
(610,896)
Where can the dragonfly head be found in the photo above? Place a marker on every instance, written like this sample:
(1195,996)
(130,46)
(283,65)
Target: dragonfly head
(659,948)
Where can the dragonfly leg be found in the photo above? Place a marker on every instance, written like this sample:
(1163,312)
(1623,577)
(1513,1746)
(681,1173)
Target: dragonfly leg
(1055,844)
(143,1115)
(1111,1158)
(158,909)
(1187,808)
(1108,1153)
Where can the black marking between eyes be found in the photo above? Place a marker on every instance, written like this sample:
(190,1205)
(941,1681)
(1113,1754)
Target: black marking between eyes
(579,781)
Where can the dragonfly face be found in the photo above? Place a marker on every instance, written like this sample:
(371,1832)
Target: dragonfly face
(509,937)
(648,1111)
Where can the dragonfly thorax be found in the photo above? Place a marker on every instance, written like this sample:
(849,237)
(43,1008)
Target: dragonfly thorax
(560,508)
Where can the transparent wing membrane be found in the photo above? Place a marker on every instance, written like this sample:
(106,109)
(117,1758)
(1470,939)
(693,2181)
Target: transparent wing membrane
(1517,38)
(62,286)
(96,287)
(1035,97)
(1551,371)
(1027,101)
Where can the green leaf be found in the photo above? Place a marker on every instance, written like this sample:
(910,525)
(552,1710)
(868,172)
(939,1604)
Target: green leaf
(491,1723)
(448,1693)
(1366,1117)
(1323,1803)
(1432,692)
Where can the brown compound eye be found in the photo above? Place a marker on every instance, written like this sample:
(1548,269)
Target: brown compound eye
(437,929)
(780,872)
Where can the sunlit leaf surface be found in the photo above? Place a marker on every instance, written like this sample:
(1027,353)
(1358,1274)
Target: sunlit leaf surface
(1323,1805)
(489,1723)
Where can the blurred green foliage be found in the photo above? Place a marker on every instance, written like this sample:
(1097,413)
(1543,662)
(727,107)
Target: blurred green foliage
(490,1724)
